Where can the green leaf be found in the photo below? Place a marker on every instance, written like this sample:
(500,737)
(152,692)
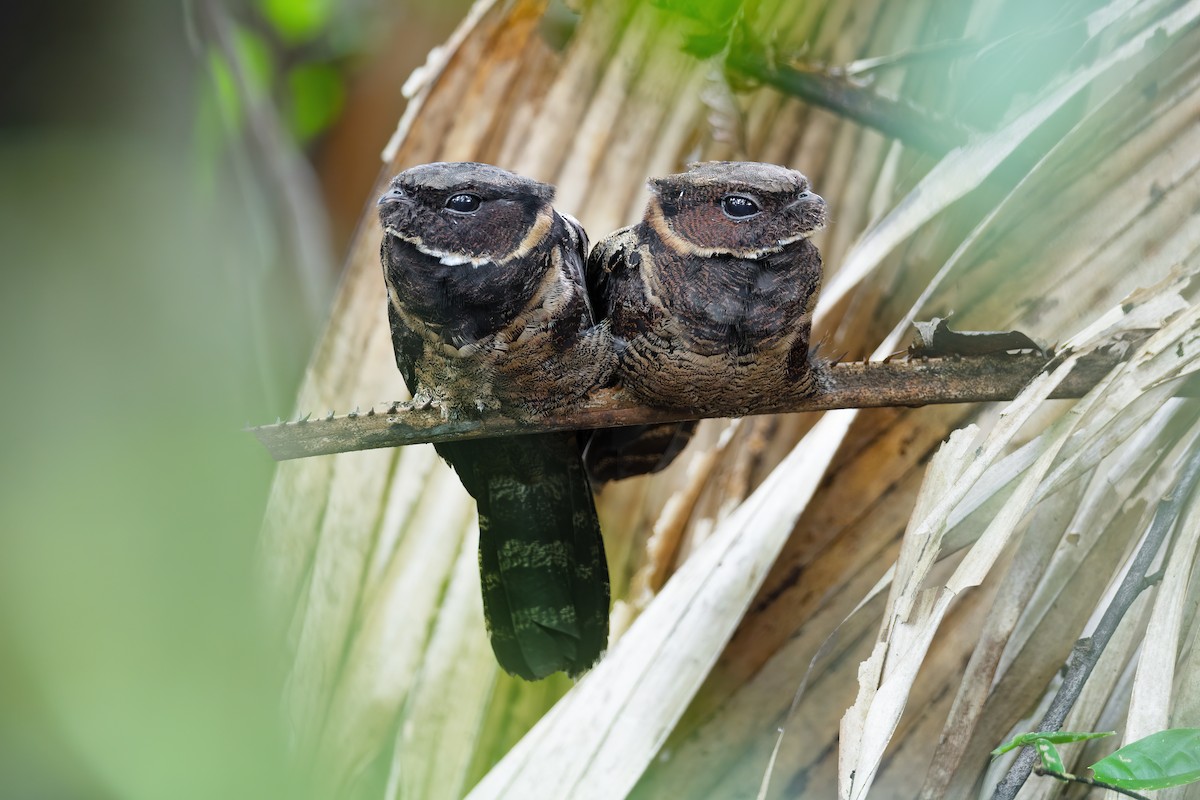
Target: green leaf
(298,20)
(256,62)
(316,98)
(1051,760)
(1054,737)
(223,100)
(223,93)
(1163,759)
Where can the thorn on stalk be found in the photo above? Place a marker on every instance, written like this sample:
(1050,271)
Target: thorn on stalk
(815,350)
(389,424)
(329,416)
(1153,578)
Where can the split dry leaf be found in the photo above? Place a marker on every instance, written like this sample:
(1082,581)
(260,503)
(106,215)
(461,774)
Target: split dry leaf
(1083,191)
(1150,700)
(915,610)
(597,742)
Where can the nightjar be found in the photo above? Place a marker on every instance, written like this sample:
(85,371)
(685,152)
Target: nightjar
(489,310)
(710,298)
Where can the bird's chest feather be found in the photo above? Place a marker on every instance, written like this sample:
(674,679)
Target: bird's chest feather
(729,305)
(729,335)
(462,303)
(492,354)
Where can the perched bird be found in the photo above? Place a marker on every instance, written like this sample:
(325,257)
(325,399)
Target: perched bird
(710,298)
(489,310)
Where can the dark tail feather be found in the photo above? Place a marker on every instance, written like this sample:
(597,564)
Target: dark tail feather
(541,557)
(615,453)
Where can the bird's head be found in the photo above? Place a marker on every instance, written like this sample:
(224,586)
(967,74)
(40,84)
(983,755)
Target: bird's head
(467,213)
(735,208)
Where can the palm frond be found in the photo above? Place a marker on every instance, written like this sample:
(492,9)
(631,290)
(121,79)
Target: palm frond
(896,605)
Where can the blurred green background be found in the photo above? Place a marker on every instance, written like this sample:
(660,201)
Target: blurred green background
(178,181)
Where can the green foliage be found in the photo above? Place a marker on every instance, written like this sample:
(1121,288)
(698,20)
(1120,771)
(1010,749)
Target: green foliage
(711,23)
(1048,753)
(315,97)
(222,99)
(298,21)
(1159,761)
(1163,759)
(1051,737)
(293,71)
(222,106)
(256,61)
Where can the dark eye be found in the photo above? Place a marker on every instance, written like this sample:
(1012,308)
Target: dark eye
(464,203)
(738,206)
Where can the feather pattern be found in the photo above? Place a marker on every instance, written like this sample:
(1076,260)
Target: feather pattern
(488,310)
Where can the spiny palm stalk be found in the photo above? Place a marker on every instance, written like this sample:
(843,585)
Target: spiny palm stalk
(755,576)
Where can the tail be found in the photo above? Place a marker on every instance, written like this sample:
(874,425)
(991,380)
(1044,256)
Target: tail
(541,557)
(616,453)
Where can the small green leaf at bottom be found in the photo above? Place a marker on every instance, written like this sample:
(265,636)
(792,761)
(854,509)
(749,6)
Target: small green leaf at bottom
(1163,759)
(1051,760)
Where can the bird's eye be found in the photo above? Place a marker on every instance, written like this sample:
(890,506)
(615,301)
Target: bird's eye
(738,206)
(464,202)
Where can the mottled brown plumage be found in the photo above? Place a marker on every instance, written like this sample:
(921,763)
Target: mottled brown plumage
(489,310)
(710,298)
(488,306)
(711,295)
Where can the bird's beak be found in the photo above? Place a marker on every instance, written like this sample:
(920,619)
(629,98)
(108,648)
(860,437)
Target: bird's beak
(391,196)
(811,197)
(811,208)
